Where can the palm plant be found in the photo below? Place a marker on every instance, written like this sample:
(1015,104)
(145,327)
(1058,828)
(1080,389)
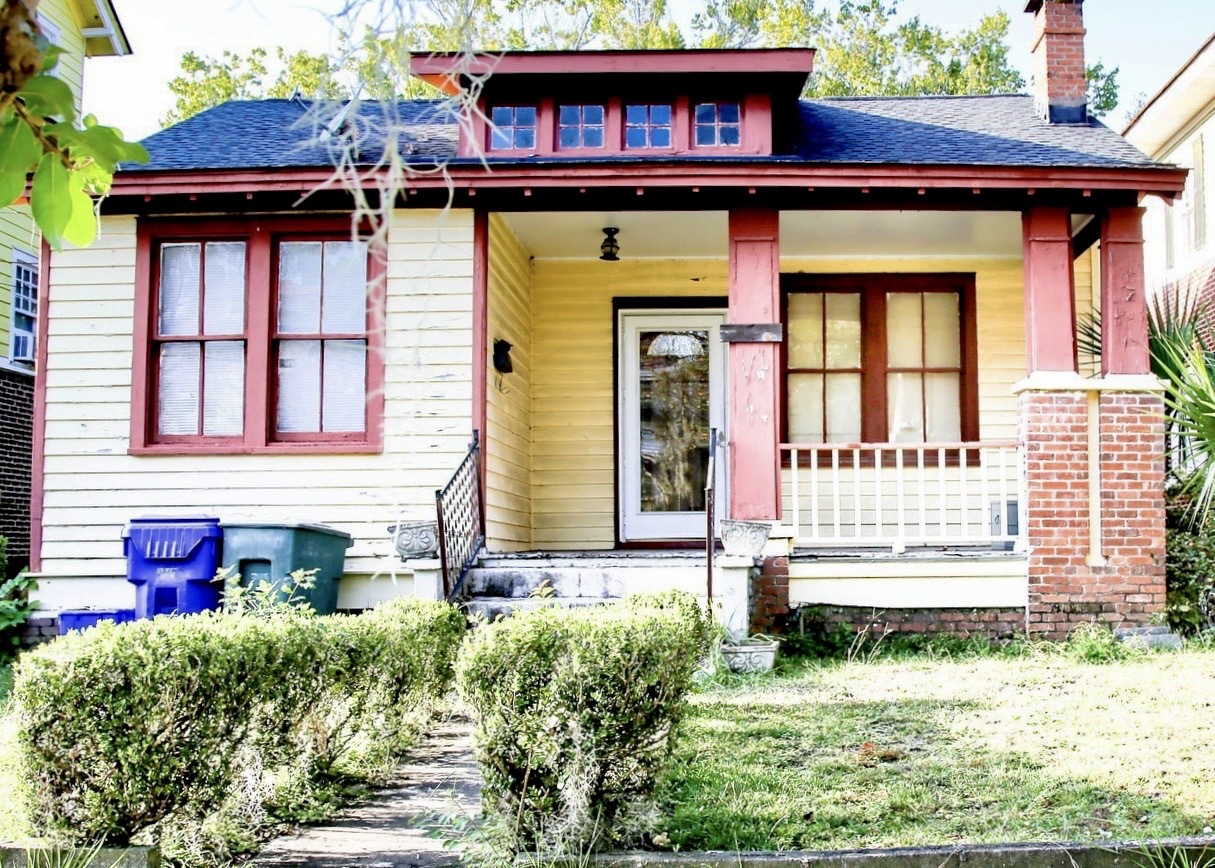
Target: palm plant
(1182,355)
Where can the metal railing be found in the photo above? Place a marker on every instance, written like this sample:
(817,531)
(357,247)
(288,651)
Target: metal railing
(461,519)
(900,494)
(710,510)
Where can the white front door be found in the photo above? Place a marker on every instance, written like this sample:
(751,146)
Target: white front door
(672,393)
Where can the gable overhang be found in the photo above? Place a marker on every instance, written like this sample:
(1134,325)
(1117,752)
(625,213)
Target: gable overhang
(779,71)
(102,31)
(1185,101)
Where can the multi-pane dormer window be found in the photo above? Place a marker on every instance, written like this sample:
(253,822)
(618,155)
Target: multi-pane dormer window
(514,128)
(717,124)
(647,126)
(580,126)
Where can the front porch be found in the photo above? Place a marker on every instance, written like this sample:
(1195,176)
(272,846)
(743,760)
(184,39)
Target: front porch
(941,463)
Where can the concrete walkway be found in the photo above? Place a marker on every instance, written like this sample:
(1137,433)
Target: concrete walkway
(439,778)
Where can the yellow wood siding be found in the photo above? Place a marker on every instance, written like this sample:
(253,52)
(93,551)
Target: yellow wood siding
(93,487)
(573,465)
(573,416)
(509,396)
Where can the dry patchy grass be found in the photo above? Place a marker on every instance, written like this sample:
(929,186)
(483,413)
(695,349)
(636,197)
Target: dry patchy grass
(900,752)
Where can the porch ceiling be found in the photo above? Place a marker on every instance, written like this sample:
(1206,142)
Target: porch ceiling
(804,234)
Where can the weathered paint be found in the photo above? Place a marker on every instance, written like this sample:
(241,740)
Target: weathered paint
(93,487)
(1050,313)
(753,411)
(508,438)
(1124,320)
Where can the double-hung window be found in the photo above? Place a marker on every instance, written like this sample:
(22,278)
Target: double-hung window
(25,307)
(257,335)
(880,359)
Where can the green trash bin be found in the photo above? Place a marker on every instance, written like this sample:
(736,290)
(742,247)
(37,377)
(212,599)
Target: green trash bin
(271,552)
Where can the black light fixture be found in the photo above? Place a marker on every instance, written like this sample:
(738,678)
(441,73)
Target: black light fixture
(610,246)
(502,363)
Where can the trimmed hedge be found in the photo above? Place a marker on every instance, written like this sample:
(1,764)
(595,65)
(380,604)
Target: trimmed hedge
(124,726)
(576,713)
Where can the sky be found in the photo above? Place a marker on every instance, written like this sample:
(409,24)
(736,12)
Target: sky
(1147,39)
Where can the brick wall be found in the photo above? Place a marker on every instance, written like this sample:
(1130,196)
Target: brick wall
(1064,589)
(16,435)
(992,623)
(770,595)
(1058,57)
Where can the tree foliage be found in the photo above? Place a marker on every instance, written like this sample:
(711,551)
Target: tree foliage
(865,48)
(71,160)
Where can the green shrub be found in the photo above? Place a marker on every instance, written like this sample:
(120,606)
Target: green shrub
(1190,579)
(122,727)
(576,711)
(1094,642)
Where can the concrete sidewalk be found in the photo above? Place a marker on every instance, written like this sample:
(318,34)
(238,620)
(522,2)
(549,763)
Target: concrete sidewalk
(439,778)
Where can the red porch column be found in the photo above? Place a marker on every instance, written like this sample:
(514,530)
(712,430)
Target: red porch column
(1093,448)
(1050,300)
(755,387)
(1124,323)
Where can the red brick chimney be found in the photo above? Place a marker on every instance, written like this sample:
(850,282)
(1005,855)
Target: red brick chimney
(1058,50)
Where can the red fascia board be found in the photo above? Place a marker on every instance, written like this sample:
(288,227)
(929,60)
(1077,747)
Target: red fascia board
(694,61)
(1163,180)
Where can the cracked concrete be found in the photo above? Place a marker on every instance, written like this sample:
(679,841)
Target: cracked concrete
(391,830)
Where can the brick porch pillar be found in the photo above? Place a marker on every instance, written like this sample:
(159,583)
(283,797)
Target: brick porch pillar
(1093,448)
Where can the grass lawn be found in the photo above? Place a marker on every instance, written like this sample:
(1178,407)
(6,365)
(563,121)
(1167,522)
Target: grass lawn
(12,823)
(1039,747)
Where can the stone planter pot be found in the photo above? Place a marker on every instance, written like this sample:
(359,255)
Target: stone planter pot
(415,539)
(744,538)
(751,655)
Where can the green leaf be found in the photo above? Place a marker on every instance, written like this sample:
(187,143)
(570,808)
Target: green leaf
(12,185)
(19,150)
(51,199)
(50,57)
(81,227)
(47,96)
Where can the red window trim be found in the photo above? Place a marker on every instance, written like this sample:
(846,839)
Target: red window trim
(755,126)
(261,234)
(874,423)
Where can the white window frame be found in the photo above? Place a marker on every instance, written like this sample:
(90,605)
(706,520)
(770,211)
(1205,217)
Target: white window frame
(23,301)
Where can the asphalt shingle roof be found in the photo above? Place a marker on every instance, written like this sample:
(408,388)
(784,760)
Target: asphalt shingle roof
(970,130)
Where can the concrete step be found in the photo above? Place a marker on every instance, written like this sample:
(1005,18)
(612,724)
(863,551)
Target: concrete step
(492,608)
(519,581)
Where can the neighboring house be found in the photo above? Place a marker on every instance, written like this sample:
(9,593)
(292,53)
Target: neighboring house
(1177,125)
(82,28)
(871,300)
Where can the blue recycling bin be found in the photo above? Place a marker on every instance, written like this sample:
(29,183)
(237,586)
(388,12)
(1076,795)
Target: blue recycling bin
(171,561)
(82,619)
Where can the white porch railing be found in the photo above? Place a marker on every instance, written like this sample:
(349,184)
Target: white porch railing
(903,494)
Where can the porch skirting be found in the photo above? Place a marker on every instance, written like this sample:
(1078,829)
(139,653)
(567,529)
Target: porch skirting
(992,623)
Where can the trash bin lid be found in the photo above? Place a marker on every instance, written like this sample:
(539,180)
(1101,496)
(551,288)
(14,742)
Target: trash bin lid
(279,525)
(172,538)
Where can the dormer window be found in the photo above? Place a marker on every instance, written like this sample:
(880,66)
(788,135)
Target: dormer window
(580,126)
(717,124)
(514,128)
(647,126)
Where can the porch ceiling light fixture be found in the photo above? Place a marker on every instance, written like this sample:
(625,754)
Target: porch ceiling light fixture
(677,345)
(610,246)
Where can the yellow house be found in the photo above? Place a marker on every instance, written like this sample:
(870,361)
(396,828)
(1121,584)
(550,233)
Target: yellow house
(635,303)
(82,28)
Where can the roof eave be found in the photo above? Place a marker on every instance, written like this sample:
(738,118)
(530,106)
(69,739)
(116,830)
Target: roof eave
(107,38)
(1165,181)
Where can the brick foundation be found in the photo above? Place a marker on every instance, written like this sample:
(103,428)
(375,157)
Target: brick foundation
(1064,588)
(16,434)
(770,595)
(992,623)
(39,629)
